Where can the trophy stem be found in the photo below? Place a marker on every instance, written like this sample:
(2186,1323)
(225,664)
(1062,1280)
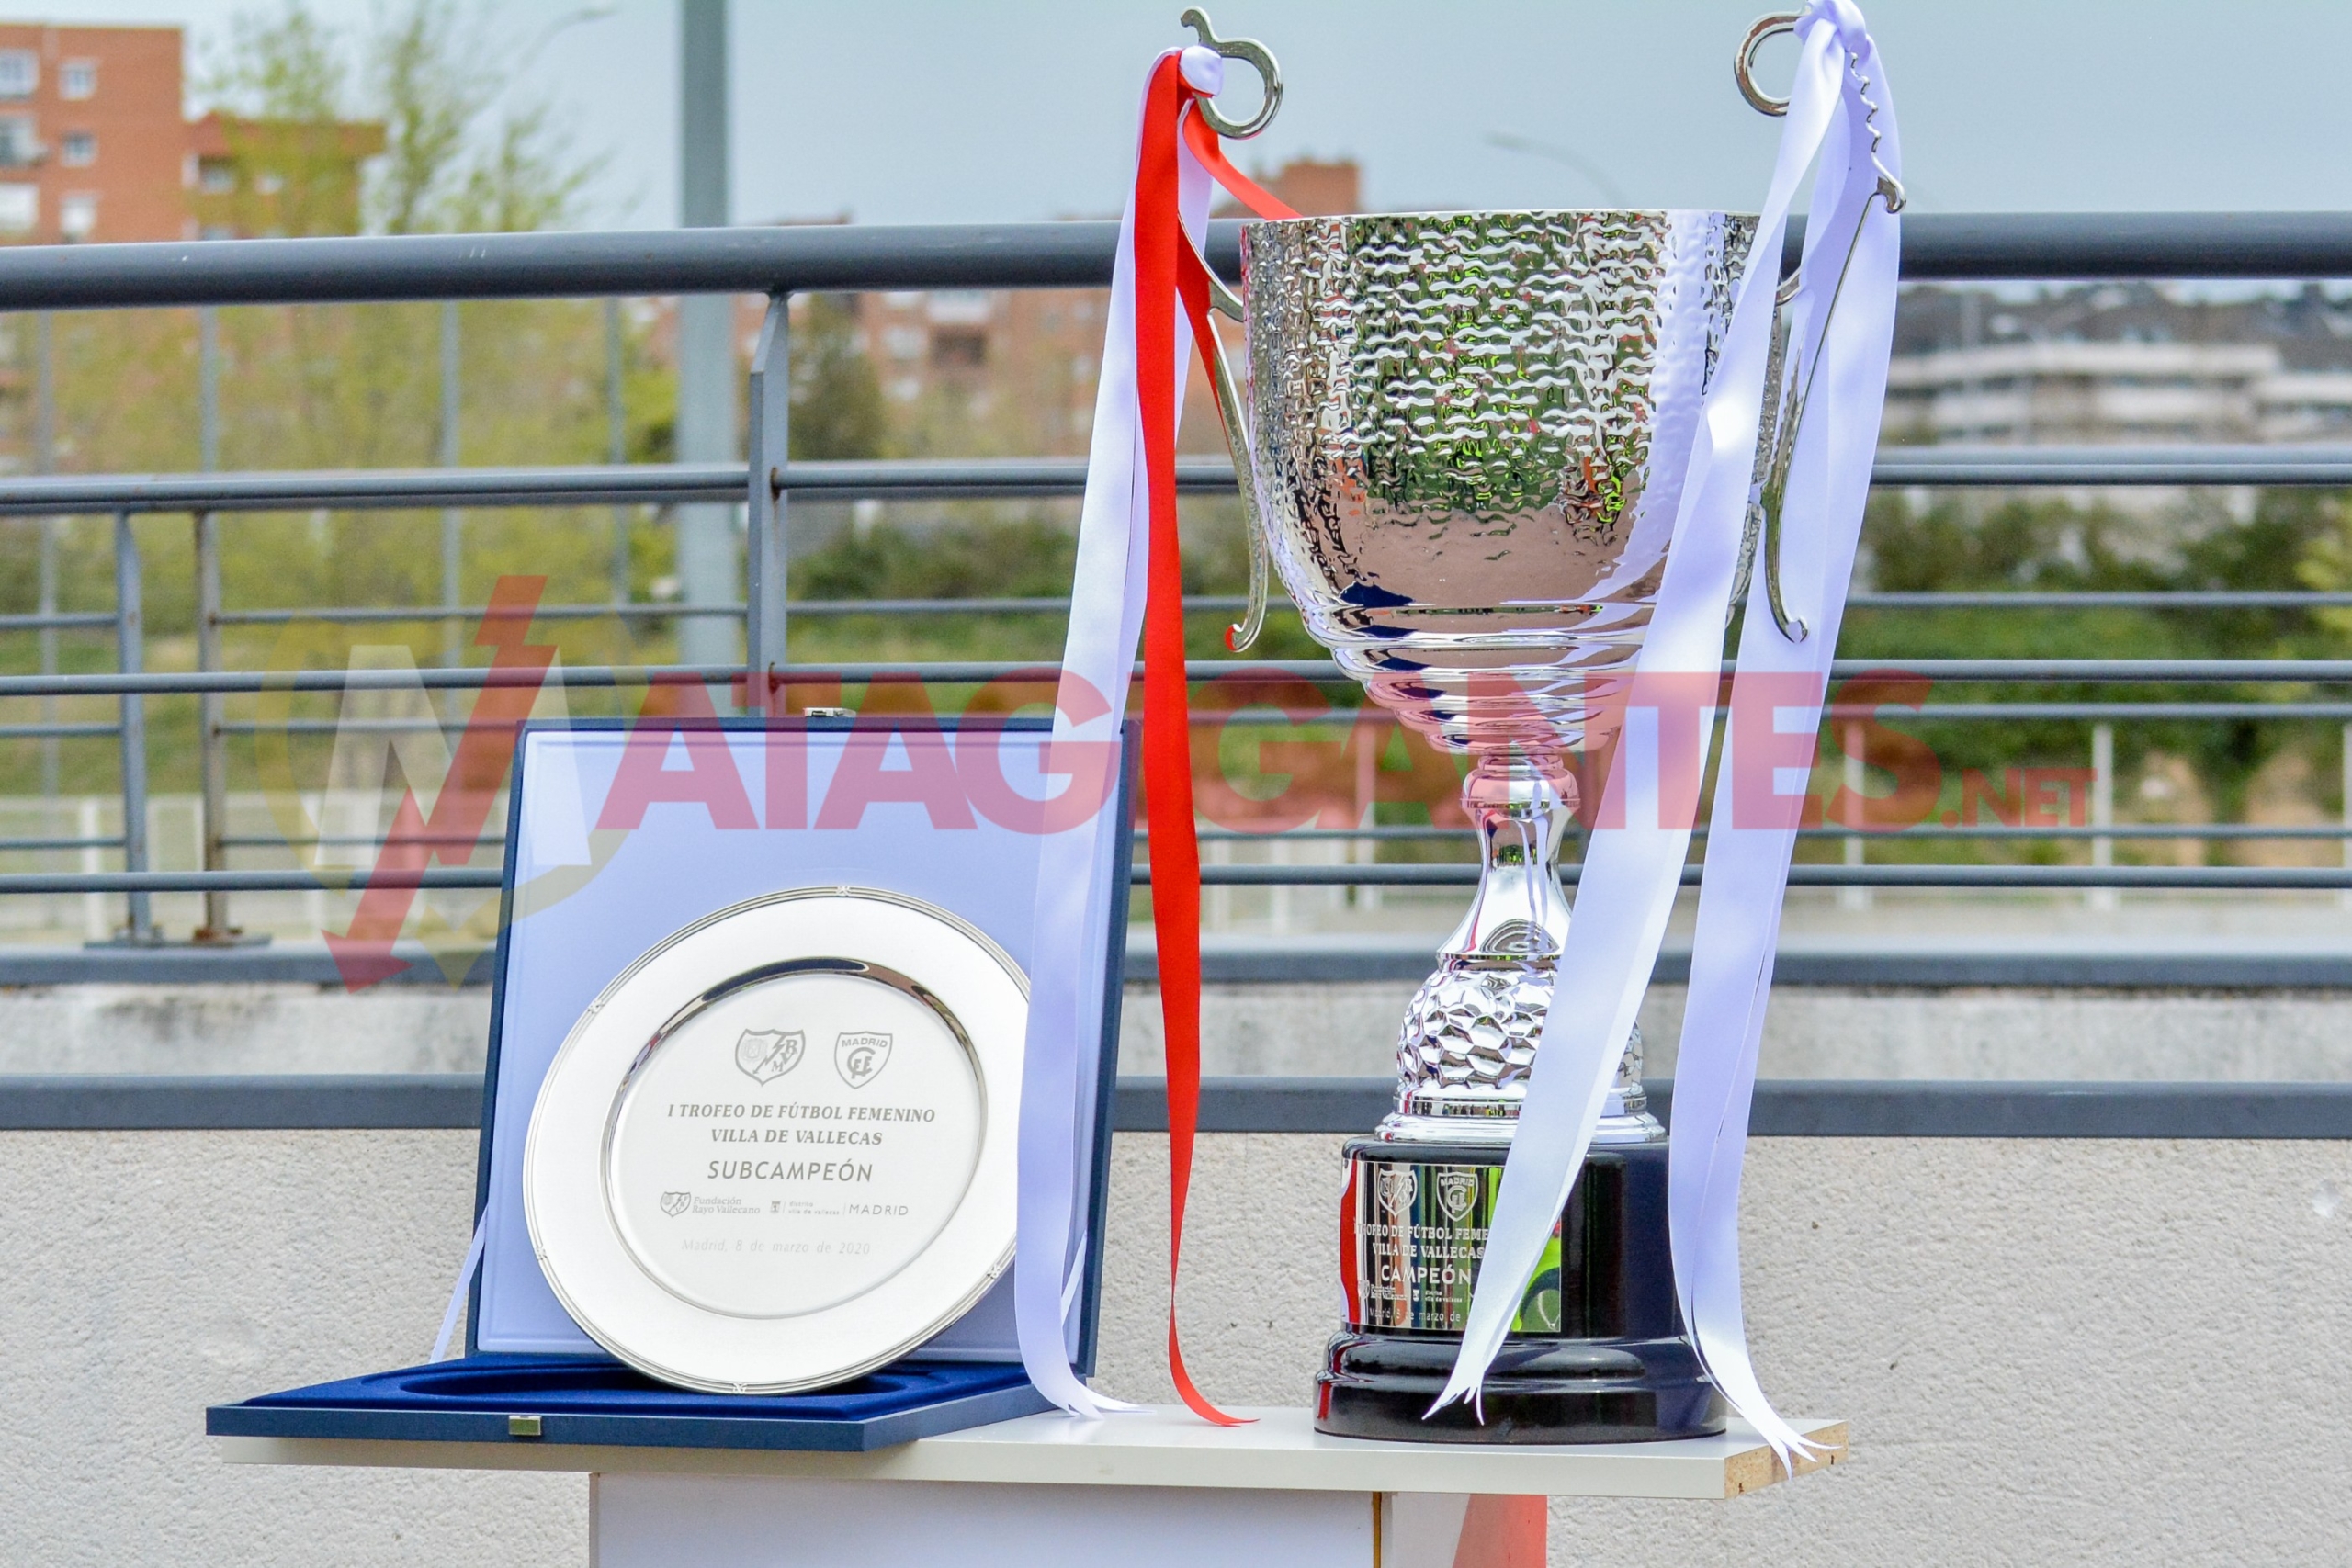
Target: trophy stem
(1470,1037)
(1596,1351)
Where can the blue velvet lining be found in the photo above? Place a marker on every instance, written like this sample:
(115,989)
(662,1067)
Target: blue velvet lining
(500,1383)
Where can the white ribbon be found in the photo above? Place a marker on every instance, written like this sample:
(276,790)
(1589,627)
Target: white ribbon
(458,1295)
(1098,658)
(1631,871)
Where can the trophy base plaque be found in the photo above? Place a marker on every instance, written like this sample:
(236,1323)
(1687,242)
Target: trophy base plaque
(1599,1353)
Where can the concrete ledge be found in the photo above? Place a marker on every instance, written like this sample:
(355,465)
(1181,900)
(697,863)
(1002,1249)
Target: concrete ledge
(163,1102)
(1857,1107)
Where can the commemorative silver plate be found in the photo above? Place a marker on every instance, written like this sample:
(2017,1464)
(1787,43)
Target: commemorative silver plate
(779,1151)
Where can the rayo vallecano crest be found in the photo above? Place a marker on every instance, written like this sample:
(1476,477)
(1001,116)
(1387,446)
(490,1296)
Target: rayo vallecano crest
(860,1058)
(1397,1187)
(676,1203)
(1454,1190)
(768,1054)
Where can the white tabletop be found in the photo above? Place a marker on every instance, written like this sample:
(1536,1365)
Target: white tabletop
(1160,1447)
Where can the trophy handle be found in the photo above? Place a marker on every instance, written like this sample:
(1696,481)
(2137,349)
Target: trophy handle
(1232,413)
(1784,409)
(1250,52)
(1229,408)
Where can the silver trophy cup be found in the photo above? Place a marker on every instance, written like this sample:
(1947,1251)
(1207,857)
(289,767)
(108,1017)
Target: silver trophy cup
(1463,451)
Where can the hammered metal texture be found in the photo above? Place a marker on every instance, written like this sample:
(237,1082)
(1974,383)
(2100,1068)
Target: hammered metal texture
(1469,431)
(1469,1040)
(1472,1030)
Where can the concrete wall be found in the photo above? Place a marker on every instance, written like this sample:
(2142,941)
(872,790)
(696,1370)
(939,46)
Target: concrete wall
(1346,1029)
(2093,1352)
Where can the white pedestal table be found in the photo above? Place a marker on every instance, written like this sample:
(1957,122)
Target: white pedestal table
(1156,1489)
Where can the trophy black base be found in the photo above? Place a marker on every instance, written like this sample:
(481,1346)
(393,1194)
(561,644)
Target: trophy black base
(1538,1390)
(1598,1354)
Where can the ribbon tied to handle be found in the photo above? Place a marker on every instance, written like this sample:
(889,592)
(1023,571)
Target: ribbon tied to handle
(1129,588)
(1836,365)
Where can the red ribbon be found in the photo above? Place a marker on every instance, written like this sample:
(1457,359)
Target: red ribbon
(1167,267)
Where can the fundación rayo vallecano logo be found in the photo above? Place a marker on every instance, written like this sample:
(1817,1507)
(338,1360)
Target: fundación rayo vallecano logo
(766,1055)
(860,1058)
(676,1203)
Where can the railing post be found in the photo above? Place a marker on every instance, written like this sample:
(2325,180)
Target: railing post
(2103,807)
(2344,897)
(1854,898)
(706,568)
(615,443)
(453,544)
(771,441)
(212,756)
(212,761)
(130,624)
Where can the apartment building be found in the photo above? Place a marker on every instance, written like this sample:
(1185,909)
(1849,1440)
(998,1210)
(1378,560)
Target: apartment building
(2120,363)
(91,140)
(94,146)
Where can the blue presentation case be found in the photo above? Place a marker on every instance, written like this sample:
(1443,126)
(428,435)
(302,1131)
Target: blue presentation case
(578,905)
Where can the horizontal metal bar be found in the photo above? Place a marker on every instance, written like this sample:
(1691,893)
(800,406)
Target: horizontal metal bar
(1264,960)
(38,731)
(2098,672)
(364,488)
(2152,599)
(1193,603)
(62,619)
(114,842)
(362,726)
(1023,477)
(356,840)
(2166,599)
(1894,1108)
(1226,602)
(1890,713)
(753,260)
(378,614)
(1874,835)
(240,881)
(1465,874)
(2201,463)
(2119,831)
(643,484)
(2086,671)
(2230,878)
(2126,713)
(185,683)
(1832,1107)
(1824,1107)
(970,479)
(766,260)
(1272,961)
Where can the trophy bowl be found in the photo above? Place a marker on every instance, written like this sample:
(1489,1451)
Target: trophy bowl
(1466,442)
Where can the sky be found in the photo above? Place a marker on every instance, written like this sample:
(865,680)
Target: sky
(999,110)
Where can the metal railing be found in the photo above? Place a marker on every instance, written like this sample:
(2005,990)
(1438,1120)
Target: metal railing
(780,263)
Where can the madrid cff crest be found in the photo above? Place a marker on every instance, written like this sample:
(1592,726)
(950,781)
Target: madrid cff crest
(860,1058)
